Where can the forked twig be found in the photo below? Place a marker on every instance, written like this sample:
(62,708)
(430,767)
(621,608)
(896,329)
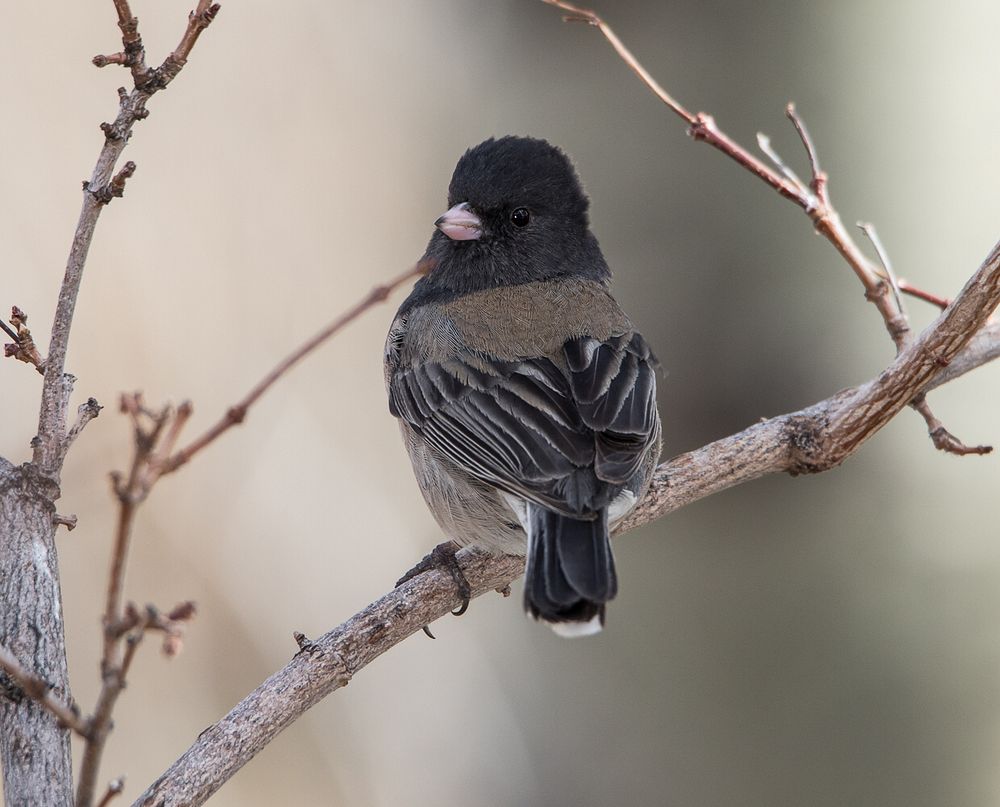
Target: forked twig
(881,287)
(156,433)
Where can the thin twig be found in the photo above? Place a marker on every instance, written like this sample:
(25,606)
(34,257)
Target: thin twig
(765,145)
(815,202)
(883,255)
(807,143)
(130,494)
(9,331)
(881,288)
(40,692)
(115,787)
(69,522)
(134,54)
(577,14)
(103,184)
(236,413)
(198,21)
(943,439)
(85,413)
(926,296)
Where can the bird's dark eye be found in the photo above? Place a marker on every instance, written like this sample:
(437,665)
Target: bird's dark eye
(520,217)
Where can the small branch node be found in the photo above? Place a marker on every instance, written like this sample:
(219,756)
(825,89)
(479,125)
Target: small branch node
(115,787)
(883,255)
(116,187)
(943,439)
(23,347)
(117,485)
(202,19)
(101,60)
(85,413)
(703,127)
(306,645)
(69,522)
(764,142)
(183,612)
(111,133)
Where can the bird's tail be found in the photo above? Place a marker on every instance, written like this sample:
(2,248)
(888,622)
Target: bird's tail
(570,571)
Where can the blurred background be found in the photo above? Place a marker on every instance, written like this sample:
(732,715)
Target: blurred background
(813,641)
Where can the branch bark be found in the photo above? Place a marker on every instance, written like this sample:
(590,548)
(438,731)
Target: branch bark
(34,746)
(20,682)
(810,440)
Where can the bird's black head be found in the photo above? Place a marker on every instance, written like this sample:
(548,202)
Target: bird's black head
(500,176)
(517,214)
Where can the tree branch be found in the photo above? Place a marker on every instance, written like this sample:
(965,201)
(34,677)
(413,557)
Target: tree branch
(811,440)
(319,668)
(97,192)
(881,287)
(39,691)
(34,746)
(807,441)
(155,436)
(236,413)
(814,199)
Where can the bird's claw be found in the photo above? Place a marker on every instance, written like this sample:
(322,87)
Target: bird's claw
(443,556)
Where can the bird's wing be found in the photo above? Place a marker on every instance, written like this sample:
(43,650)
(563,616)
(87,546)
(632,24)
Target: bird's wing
(567,434)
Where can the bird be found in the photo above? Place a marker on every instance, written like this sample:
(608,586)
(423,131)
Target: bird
(525,396)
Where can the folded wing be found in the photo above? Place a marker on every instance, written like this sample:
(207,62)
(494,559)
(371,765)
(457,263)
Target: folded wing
(567,433)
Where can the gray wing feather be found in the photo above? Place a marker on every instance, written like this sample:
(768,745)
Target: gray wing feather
(567,436)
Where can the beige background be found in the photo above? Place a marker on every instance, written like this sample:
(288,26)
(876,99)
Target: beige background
(814,641)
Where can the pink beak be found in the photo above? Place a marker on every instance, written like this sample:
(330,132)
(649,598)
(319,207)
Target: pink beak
(460,223)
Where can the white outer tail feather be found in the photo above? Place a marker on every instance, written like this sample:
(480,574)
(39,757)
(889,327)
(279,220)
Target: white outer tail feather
(574,630)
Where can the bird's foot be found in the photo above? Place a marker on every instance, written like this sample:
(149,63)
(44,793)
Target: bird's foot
(443,557)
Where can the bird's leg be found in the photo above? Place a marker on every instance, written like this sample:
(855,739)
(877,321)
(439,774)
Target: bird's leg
(443,557)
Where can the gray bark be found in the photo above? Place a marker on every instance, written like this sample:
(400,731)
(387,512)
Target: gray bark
(34,749)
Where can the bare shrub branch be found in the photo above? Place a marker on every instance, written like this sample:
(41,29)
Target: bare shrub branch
(810,440)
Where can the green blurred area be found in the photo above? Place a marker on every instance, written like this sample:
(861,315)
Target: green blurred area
(832,640)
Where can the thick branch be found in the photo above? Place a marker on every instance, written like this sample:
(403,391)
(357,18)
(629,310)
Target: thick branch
(808,441)
(321,667)
(34,746)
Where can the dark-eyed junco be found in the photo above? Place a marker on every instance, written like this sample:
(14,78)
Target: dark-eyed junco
(526,398)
